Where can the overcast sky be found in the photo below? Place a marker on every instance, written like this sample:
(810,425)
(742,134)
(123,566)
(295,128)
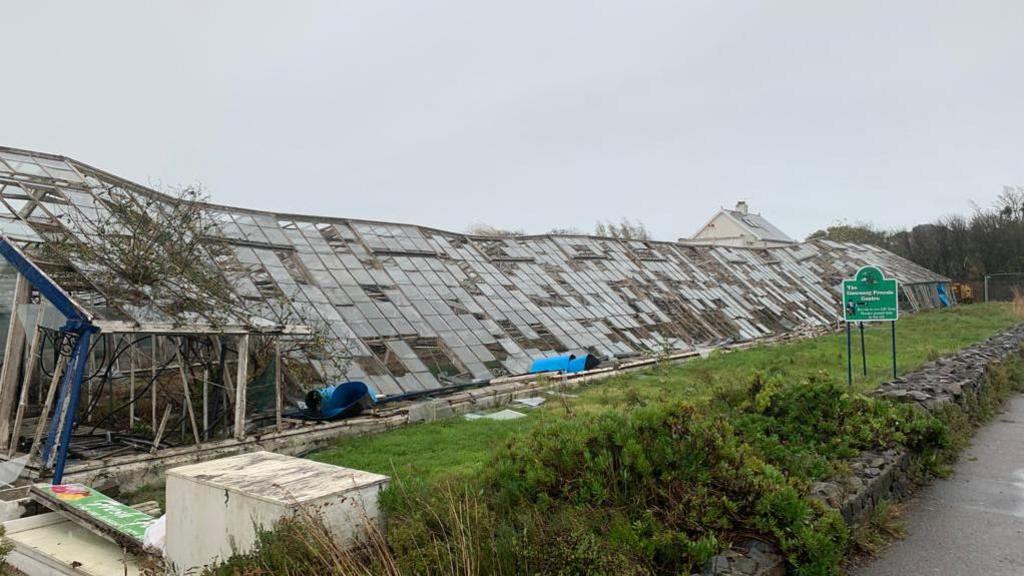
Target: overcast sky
(533,115)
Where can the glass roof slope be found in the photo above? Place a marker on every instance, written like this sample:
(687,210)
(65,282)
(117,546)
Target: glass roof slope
(445,307)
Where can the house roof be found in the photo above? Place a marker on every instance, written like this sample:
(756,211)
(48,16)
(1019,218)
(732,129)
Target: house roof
(758,226)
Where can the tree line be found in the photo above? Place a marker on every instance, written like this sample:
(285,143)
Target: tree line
(962,247)
(625,229)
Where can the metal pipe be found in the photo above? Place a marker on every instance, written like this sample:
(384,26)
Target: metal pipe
(863,353)
(849,357)
(893,350)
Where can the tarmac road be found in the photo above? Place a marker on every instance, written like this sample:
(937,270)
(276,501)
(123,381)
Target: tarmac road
(971,523)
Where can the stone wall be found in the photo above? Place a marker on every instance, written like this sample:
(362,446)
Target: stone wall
(885,476)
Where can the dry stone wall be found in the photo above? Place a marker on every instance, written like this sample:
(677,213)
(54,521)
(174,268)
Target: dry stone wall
(885,476)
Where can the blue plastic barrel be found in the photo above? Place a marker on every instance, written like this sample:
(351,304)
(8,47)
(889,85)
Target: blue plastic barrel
(340,401)
(569,363)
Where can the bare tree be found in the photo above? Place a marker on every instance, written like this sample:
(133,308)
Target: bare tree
(481,229)
(963,247)
(569,231)
(143,249)
(624,230)
(169,252)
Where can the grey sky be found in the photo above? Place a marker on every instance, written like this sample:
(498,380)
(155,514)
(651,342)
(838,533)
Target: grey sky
(531,115)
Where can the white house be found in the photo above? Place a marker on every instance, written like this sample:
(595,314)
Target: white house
(739,227)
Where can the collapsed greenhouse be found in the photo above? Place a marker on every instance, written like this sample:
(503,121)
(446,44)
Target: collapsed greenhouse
(196,327)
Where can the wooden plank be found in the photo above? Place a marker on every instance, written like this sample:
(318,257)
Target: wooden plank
(96,512)
(206,403)
(152,381)
(279,404)
(58,370)
(90,363)
(241,382)
(131,387)
(33,361)
(12,360)
(171,329)
(228,381)
(188,394)
(160,431)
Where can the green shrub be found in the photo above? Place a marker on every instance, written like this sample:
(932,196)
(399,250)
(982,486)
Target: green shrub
(5,548)
(808,429)
(655,489)
(659,489)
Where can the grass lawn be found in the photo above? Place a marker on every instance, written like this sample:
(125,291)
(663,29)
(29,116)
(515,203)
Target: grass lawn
(457,446)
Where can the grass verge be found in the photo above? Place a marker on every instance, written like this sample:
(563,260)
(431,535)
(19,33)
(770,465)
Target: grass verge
(457,447)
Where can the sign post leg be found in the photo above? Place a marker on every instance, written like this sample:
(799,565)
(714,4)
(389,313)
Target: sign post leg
(893,324)
(849,357)
(863,354)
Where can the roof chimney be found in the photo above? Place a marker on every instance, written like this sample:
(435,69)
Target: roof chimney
(741,206)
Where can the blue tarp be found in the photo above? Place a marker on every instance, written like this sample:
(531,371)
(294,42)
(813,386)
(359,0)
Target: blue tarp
(942,295)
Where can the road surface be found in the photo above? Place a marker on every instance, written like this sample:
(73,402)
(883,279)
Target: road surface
(971,523)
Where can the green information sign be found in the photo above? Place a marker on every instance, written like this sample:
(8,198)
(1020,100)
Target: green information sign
(870,297)
(86,505)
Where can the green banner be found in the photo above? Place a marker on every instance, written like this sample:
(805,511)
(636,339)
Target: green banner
(870,297)
(99,508)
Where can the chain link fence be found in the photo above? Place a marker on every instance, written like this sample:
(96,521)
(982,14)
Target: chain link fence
(1001,287)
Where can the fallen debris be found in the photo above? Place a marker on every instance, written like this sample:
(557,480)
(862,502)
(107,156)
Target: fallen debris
(561,394)
(502,415)
(96,511)
(531,401)
(49,543)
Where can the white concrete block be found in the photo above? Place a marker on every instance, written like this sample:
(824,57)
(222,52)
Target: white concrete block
(213,507)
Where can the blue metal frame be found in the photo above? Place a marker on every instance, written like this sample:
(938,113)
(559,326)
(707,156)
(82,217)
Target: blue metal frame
(72,387)
(78,322)
(41,282)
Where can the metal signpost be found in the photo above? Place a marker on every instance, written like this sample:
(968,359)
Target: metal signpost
(869,297)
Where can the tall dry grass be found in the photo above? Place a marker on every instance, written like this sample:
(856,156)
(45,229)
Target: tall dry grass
(457,543)
(1018,301)
(302,544)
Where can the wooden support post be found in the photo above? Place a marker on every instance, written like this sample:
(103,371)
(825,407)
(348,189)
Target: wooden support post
(58,370)
(241,381)
(206,403)
(226,376)
(26,383)
(12,360)
(152,376)
(90,362)
(160,431)
(131,387)
(228,391)
(188,394)
(40,390)
(113,363)
(279,405)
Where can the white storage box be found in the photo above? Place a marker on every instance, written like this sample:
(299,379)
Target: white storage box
(212,507)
